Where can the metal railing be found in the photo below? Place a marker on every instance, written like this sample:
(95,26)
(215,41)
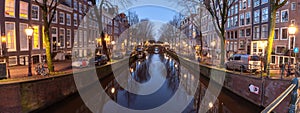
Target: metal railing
(293,90)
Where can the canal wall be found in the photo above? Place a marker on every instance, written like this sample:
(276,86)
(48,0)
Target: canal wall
(268,89)
(32,95)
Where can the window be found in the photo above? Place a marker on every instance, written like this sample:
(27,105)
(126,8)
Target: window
(68,38)
(293,6)
(256,32)
(249,3)
(277,17)
(242,19)
(61,41)
(80,7)
(236,22)
(248,32)
(75,5)
(54,20)
(242,44)
(68,19)
(264,31)
(75,19)
(265,14)
(244,4)
(34,12)
(284,16)
(256,16)
(235,46)
(75,38)
(61,17)
(284,34)
(10,8)
(10,32)
(280,49)
(236,9)
(248,18)
(23,10)
(264,1)
(256,3)
(276,35)
(273,59)
(242,32)
(36,37)
(23,37)
(254,47)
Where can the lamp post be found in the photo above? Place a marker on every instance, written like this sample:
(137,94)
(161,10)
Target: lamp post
(29,33)
(3,40)
(292,31)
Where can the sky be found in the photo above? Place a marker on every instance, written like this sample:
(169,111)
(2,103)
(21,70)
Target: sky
(157,11)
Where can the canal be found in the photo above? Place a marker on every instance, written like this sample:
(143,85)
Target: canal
(153,82)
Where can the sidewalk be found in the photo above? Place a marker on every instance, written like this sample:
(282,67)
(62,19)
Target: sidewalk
(22,71)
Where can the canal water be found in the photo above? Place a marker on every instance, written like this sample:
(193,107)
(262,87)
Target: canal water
(155,82)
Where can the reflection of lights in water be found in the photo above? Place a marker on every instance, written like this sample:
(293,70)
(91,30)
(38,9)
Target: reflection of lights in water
(176,66)
(192,77)
(184,75)
(210,105)
(113,90)
(147,57)
(131,70)
(139,63)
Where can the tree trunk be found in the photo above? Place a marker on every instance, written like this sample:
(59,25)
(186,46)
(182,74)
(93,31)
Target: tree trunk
(271,38)
(48,49)
(222,61)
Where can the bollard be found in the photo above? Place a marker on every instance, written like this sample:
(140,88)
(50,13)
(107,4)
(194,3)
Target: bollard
(294,94)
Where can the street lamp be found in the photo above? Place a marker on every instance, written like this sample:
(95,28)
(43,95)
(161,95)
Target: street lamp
(29,33)
(292,31)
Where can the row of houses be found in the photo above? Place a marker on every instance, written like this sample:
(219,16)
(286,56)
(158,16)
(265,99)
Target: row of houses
(74,25)
(247,30)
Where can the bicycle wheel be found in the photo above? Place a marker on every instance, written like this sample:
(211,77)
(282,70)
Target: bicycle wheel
(45,71)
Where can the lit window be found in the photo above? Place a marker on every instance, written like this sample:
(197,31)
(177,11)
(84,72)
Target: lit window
(284,33)
(61,18)
(34,12)
(61,40)
(256,16)
(10,32)
(36,37)
(284,16)
(68,19)
(23,10)
(10,8)
(23,37)
(68,38)
(265,15)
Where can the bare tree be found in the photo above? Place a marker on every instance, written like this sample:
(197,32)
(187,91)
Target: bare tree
(48,8)
(275,5)
(218,10)
(144,30)
(98,9)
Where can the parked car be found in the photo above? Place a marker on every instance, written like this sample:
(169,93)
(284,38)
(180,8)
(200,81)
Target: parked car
(99,59)
(244,62)
(81,62)
(117,55)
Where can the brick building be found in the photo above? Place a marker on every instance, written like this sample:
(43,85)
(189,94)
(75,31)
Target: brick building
(17,15)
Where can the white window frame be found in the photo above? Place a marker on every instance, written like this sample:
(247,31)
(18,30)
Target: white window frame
(262,32)
(70,40)
(277,47)
(62,19)
(63,38)
(286,33)
(278,37)
(14,10)
(38,12)
(242,15)
(15,40)
(27,10)
(23,37)
(13,57)
(249,18)
(259,16)
(70,19)
(55,16)
(287,16)
(255,32)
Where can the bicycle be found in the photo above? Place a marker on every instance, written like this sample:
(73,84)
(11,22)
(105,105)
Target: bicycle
(40,69)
